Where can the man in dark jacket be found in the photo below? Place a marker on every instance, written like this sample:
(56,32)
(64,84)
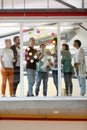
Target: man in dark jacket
(16,62)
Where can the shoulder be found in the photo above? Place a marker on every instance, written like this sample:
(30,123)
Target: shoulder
(12,47)
(81,50)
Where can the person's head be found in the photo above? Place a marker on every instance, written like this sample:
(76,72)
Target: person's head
(65,47)
(16,40)
(77,43)
(8,43)
(31,42)
(55,41)
(42,46)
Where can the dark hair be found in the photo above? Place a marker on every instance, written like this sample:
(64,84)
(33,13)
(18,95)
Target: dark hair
(14,39)
(78,42)
(66,46)
(42,44)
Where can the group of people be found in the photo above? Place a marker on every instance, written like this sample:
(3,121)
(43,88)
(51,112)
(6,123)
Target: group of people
(38,65)
(38,69)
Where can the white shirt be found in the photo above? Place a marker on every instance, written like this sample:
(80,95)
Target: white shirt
(7,57)
(80,56)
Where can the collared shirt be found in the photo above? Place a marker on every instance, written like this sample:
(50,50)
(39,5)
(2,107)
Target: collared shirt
(7,57)
(80,56)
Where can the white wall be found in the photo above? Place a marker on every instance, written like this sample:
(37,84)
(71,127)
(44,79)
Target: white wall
(43,125)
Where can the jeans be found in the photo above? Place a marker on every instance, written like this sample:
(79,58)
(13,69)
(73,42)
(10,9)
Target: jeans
(55,79)
(68,83)
(82,83)
(41,76)
(31,80)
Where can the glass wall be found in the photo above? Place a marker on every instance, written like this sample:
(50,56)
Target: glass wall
(40,47)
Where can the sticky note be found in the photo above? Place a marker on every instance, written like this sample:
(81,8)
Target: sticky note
(30,53)
(35,57)
(31,60)
(28,58)
(26,53)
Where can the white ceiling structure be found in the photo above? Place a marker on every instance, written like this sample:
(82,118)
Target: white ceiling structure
(36,4)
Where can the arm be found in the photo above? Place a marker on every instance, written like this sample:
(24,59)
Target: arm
(2,64)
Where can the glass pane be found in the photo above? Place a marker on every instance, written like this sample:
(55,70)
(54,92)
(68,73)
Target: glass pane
(39,4)
(39,63)
(17,4)
(10,56)
(85,3)
(56,4)
(76,3)
(7,4)
(73,58)
(0,4)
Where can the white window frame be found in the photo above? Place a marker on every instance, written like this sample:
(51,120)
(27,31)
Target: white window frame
(58,20)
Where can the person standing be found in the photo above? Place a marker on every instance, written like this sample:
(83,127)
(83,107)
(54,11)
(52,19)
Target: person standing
(42,72)
(80,67)
(16,62)
(31,59)
(7,71)
(67,69)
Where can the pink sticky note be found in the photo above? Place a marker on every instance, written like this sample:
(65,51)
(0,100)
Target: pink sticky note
(53,34)
(50,41)
(24,30)
(28,58)
(26,53)
(38,31)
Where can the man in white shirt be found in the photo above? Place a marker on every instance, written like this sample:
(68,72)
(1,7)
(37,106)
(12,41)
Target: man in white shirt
(80,67)
(7,71)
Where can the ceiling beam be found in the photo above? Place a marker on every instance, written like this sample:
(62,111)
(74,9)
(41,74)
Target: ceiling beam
(83,27)
(41,10)
(66,4)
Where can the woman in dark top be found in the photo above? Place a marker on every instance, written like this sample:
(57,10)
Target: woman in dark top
(31,59)
(67,69)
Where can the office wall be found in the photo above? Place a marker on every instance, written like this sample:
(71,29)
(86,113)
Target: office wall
(42,125)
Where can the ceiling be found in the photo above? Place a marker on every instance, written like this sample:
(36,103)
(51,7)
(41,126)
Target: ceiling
(36,4)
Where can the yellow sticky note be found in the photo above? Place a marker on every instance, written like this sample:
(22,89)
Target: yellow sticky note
(39,36)
(46,35)
(54,42)
(30,53)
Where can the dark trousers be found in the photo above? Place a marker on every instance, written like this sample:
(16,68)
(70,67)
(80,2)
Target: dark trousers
(16,78)
(55,79)
(68,83)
